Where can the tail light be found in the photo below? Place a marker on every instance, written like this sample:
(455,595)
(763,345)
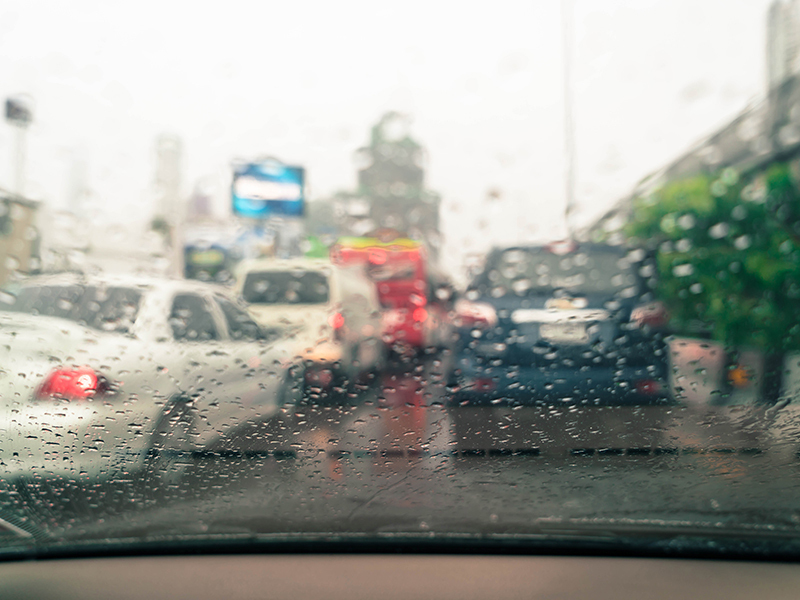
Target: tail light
(377,256)
(336,321)
(480,384)
(73,384)
(649,387)
(652,314)
(475,314)
(419,314)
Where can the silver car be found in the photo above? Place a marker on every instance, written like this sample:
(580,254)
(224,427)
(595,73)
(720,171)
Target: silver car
(105,376)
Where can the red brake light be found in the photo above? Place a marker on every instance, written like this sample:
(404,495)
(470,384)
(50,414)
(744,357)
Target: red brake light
(377,256)
(649,387)
(475,314)
(74,384)
(336,320)
(419,314)
(484,384)
(653,314)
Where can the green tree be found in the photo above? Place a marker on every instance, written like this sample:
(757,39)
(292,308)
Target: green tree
(727,255)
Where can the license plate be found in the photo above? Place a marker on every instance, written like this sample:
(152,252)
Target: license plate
(564,333)
(207,258)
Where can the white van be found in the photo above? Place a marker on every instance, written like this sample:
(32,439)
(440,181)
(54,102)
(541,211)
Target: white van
(333,313)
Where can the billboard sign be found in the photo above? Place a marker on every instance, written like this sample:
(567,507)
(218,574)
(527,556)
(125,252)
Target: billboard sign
(268,188)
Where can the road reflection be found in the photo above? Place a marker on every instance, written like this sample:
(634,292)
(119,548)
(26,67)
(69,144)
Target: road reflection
(396,452)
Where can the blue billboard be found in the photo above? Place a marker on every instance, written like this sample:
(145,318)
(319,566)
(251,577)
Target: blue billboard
(268,188)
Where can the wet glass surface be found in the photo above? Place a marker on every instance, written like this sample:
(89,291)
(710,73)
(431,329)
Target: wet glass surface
(513,275)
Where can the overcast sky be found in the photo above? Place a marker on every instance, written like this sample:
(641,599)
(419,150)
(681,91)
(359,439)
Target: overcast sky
(304,80)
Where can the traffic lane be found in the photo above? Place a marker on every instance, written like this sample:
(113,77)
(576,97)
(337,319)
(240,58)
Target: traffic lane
(402,421)
(396,447)
(607,430)
(321,480)
(398,412)
(446,492)
(437,492)
(402,436)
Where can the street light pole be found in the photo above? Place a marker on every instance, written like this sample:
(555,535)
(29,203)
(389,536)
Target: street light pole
(569,127)
(19,160)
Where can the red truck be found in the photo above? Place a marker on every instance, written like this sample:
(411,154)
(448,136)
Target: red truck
(416,299)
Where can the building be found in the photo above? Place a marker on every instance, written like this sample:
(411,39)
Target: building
(169,151)
(764,132)
(169,209)
(783,41)
(20,240)
(78,185)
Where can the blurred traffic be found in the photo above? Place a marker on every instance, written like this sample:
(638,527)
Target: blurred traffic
(223,325)
(253,332)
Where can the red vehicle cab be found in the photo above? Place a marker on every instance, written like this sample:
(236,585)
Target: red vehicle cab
(415,301)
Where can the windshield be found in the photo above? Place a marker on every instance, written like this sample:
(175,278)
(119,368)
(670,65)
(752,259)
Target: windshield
(392,271)
(286,287)
(516,274)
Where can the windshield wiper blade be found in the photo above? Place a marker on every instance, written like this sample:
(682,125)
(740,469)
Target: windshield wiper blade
(678,546)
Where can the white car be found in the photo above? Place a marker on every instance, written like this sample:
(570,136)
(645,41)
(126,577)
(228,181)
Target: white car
(333,311)
(103,376)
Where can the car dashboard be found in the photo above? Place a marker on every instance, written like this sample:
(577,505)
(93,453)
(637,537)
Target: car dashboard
(356,577)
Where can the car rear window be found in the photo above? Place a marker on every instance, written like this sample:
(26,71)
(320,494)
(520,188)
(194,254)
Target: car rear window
(103,308)
(392,271)
(533,270)
(286,287)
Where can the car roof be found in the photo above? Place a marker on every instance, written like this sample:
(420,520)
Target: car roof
(141,282)
(570,247)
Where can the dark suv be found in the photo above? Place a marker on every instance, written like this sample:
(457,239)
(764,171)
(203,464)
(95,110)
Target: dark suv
(563,322)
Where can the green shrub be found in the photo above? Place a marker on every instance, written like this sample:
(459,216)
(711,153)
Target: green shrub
(727,255)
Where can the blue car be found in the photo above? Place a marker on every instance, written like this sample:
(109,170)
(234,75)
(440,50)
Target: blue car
(564,322)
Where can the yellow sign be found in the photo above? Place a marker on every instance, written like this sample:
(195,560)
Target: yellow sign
(207,257)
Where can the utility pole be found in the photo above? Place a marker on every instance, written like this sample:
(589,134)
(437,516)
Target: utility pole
(19,115)
(569,126)
(169,157)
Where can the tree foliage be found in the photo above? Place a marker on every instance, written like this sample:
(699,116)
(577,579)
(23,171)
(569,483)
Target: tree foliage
(728,255)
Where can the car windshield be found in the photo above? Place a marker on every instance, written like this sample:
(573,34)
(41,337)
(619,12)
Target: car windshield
(286,287)
(518,277)
(392,271)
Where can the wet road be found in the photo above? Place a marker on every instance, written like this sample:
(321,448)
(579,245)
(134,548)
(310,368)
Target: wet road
(394,456)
